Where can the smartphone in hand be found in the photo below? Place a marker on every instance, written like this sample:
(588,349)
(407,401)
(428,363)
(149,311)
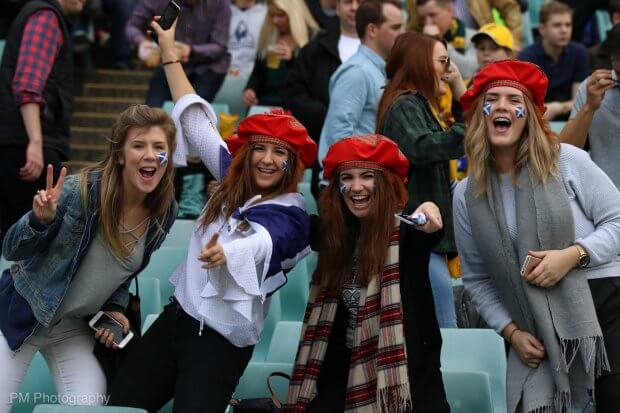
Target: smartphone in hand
(529,264)
(167,18)
(103,321)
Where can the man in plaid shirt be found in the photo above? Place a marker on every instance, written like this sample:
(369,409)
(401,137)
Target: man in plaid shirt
(36,97)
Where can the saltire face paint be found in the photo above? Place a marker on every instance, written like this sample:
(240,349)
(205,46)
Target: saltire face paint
(284,165)
(162,158)
(487,108)
(520,111)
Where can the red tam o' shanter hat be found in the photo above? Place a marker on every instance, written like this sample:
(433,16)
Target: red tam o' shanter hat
(279,128)
(525,76)
(365,151)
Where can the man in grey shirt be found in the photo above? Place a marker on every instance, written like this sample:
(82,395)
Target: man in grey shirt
(595,117)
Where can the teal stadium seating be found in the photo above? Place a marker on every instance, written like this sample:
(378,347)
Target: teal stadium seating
(284,342)
(557,126)
(294,294)
(258,109)
(273,317)
(479,350)
(467,391)
(150,296)
(163,263)
(37,386)
(304,189)
(55,408)
(180,233)
(231,93)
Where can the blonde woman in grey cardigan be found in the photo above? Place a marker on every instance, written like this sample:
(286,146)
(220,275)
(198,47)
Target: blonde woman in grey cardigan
(537,226)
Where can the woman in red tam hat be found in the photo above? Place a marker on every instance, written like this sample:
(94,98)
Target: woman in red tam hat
(252,231)
(372,268)
(537,227)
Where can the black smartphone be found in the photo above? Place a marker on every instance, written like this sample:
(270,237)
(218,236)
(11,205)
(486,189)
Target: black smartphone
(167,18)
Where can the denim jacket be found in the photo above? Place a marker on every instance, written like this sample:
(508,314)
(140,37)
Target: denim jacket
(48,256)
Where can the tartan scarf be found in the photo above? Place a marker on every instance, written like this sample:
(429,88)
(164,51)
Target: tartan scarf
(378,380)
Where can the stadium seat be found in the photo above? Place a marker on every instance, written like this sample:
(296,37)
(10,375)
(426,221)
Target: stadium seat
(479,350)
(148,322)
(533,9)
(468,391)
(220,107)
(528,36)
(1,49)
(603,23)
(37,387)
(284,342)
(311,262)
(258,109)
(557,126)
(304,188)
(294,294)
(4,264)
(180,233)
(307,175)
(253,383)
(150,296)
(168,106)
(231,93)
(56,408)
(163,263)
(273,317)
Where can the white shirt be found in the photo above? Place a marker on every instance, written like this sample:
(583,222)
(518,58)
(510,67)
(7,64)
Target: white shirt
(245,28)
(347,46)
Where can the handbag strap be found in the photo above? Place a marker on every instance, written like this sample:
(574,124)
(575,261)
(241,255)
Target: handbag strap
(274,397)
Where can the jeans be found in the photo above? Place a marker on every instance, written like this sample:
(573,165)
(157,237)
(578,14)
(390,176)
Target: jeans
(172,360)
(206,84)
(68,350)
(442,291)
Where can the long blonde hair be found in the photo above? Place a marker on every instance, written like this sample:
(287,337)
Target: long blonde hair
(111,182)
(537,146)
(302,24)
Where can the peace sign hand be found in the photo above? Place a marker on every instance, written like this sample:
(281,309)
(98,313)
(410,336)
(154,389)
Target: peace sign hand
(46,200)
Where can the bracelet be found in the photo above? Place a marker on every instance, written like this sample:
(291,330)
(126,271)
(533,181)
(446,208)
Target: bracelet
(511,334)
(170,62)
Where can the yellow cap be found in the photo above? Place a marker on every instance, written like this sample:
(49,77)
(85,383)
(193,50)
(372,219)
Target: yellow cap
(498,33)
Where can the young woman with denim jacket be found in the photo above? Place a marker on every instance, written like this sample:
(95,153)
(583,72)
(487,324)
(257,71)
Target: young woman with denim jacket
(76,252)
(252,231)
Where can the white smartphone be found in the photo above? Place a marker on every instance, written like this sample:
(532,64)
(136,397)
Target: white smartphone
(415,219)
(102,320)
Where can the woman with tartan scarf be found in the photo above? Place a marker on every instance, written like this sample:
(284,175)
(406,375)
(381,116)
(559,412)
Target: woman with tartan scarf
(537,226)
(370,340)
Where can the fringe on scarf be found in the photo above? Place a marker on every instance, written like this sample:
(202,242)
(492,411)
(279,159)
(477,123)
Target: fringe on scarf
(394,399)
(593,351)
(561,404)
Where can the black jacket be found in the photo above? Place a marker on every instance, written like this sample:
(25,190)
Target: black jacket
(58,91)
(306,90)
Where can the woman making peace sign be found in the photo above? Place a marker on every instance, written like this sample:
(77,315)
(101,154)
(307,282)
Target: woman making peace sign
(76,252)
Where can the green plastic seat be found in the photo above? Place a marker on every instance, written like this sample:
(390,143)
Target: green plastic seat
(528,36)
(163,263)
(294,294)
(220,107)
(36,386)
(273,317)
(150,296)
(258,109)
(231,93)
(284,342)
(468,391)
(603,23)
(180,233)
(168,106)
(304,189)
(307,175)
(148,322)
(312,260)
(253,383)
(482,350)
(56,408)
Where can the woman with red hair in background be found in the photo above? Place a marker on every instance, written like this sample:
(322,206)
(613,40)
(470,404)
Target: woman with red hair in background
(252,231)
(370,340)
(419,72)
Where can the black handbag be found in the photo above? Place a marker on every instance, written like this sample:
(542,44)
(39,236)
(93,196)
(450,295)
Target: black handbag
(262,405)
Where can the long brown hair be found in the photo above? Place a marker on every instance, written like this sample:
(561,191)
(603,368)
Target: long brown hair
(341,232)
(409,68)
(538,145)
(157,202)
(238,185)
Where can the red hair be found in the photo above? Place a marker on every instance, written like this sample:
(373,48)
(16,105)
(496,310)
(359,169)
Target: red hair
(410,67)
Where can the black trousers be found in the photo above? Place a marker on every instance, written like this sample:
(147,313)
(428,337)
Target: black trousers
(172,361)
(17,194)
(606,295)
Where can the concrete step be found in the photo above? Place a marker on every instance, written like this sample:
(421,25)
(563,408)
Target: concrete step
(74,167)
(87,153)
(89,136)
(135,77)
(94,119)
(104,104)
(115,90)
